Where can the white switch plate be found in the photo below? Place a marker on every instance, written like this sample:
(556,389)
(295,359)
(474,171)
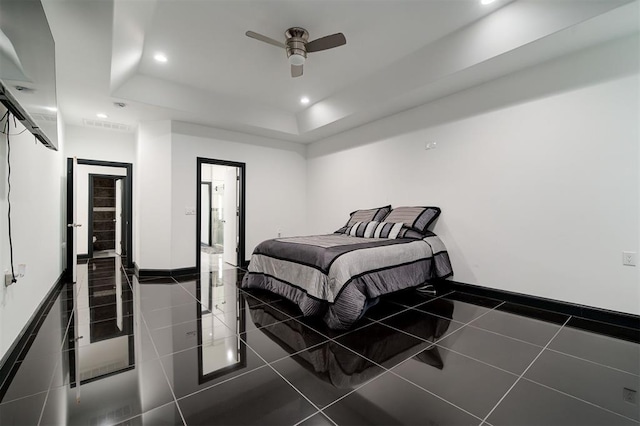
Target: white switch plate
(629,258)
(190,211)
(430,145)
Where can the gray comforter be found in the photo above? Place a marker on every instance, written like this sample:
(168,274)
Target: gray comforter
(338,275)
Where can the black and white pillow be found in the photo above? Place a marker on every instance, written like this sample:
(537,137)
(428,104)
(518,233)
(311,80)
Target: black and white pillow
(368,215)
(416,218)
(373,229)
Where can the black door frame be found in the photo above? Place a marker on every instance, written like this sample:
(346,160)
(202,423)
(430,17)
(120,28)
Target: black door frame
(210,207)
(127,207)
(90,224)
(241,197)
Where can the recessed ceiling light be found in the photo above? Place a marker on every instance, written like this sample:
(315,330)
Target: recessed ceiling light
(160,57)
(102,115)
(486,1)
(52,109)
(304,100)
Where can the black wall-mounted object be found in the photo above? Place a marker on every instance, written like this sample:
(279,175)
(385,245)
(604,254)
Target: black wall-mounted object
(27,68)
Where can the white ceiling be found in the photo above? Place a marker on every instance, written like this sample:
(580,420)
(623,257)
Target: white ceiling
(399,54)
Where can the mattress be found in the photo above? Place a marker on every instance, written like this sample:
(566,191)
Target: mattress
(340,276)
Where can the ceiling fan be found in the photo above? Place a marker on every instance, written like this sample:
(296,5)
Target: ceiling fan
(298,45)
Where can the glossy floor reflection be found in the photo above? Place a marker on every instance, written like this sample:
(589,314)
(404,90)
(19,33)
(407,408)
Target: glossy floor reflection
(197,350)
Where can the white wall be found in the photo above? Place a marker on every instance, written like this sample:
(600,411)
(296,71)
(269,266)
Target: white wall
(275,185)
(536,174)
(99,144)
(153,203)
(37,203)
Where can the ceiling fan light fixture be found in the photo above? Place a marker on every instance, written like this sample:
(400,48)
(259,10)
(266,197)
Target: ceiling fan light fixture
(296,59)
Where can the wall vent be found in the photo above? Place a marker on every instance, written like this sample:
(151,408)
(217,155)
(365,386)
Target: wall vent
(107,125)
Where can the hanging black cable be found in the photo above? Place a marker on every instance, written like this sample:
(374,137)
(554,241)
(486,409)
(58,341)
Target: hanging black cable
(7,116)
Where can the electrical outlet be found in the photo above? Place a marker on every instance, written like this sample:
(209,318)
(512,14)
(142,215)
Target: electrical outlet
(430,145)
(629,258)
(8,279)
(190,211)
(630,396)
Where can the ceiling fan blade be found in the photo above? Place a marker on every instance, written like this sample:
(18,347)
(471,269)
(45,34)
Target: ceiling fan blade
(327,42)
(264,39)
(296,70)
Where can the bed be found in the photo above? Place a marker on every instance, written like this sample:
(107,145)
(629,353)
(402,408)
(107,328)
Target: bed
(341,275)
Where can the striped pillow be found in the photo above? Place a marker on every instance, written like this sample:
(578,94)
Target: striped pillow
(374,229)
(416,218)
(368,215)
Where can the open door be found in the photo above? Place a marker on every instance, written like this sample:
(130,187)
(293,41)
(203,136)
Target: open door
(72,217)
(205,213)
(227,207)
(76,175)
(118,217)
(230,215)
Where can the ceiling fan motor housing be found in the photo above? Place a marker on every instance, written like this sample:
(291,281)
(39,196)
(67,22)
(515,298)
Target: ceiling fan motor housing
(297,39)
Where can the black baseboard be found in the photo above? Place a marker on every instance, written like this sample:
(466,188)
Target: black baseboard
(142,273)
(23,341)
(83,256)
(588,312)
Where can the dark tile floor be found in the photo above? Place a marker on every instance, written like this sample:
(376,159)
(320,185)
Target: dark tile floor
(199,351)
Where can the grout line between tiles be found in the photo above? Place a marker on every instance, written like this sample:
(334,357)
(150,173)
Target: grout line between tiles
(425,302)
(504,335)
(435,342)
(353,390)
(580,399)
(408,308)
(435,394)
(11,401)
(144,321)
(223,381)
(525,370)
(387,370)
(165,307)
(315,414)
(291,384)
(128,419)
(476,359)
(594,362)
(284,357)
(55,368)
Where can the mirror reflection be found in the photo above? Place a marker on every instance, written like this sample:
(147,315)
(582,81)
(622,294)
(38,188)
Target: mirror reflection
(337,365)
(101,337)
(220,318)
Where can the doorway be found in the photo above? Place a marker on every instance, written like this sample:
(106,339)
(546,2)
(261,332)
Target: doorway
(220,214)
(78,232)
(107,234)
